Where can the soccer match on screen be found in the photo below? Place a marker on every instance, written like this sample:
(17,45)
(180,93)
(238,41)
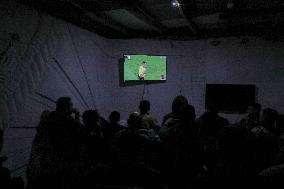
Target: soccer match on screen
(145,67)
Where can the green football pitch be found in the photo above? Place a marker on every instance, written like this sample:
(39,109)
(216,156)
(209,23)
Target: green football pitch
(156,66)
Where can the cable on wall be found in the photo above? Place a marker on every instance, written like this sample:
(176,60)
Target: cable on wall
(181,79)
(147,91)
(45,97)
(143,91)
(67,82)
(72,83)
(81,64)
(102,50)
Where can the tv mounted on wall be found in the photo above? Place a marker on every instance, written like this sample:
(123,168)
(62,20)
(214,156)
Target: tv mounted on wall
(230,98)
(144,68)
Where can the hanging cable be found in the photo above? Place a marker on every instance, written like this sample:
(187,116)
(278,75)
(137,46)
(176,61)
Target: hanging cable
(181,79)
(72,83)
(79,59)
(147,88)
(143,92)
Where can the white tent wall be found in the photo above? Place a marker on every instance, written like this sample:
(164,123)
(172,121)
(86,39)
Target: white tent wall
(54,58)
(50,59)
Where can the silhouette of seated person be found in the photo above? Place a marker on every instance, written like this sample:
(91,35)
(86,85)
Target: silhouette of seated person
(128,146)
(186,148)
(263,144)
(96,155)
(267,125)
(103,123)
(5,179)
(231,143)
(91,120)
(274,175)
(280,126)
(65,129)
(114,125)
(147,121)
(40,160)
(251,118)
(210,125)
(280,129)
(65,138)
(131,153)
(171,118)
(94,136)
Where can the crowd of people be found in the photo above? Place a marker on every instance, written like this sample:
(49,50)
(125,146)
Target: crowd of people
(181,152)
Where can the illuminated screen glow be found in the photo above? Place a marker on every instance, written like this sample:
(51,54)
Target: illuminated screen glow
(145,67)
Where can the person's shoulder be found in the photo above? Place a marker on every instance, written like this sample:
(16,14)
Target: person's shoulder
(52,115)
(167,116)
(150,117)
(145,116)
(121,133)
(103,122)
(170,121)
(223,120)
(119,126)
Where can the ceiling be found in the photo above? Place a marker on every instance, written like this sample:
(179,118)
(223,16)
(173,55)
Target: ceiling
(192,19)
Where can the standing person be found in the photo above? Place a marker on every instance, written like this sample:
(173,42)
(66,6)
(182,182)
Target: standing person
(142,70)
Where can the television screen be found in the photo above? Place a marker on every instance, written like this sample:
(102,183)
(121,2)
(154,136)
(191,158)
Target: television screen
(144,67)
(230,98)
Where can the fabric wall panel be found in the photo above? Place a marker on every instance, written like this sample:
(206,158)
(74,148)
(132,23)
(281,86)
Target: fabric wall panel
(4,115)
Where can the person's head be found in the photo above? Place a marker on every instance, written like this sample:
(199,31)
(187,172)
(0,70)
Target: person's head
(133,120)
(90,118)
(178,103)
(114,117)
(144,106)
(188,114)
(254,108)
(144,64)
(269,117)
(64,105)
(44,115)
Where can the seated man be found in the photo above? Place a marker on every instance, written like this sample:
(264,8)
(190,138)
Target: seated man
(147,121)
(114,125)
(178,103)
(251,119)
(62,135)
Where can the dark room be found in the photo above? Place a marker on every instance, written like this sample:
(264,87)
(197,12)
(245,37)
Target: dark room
(125,94)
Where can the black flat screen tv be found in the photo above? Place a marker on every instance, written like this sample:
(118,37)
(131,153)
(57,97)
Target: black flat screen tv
(144,68)
(230,98)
